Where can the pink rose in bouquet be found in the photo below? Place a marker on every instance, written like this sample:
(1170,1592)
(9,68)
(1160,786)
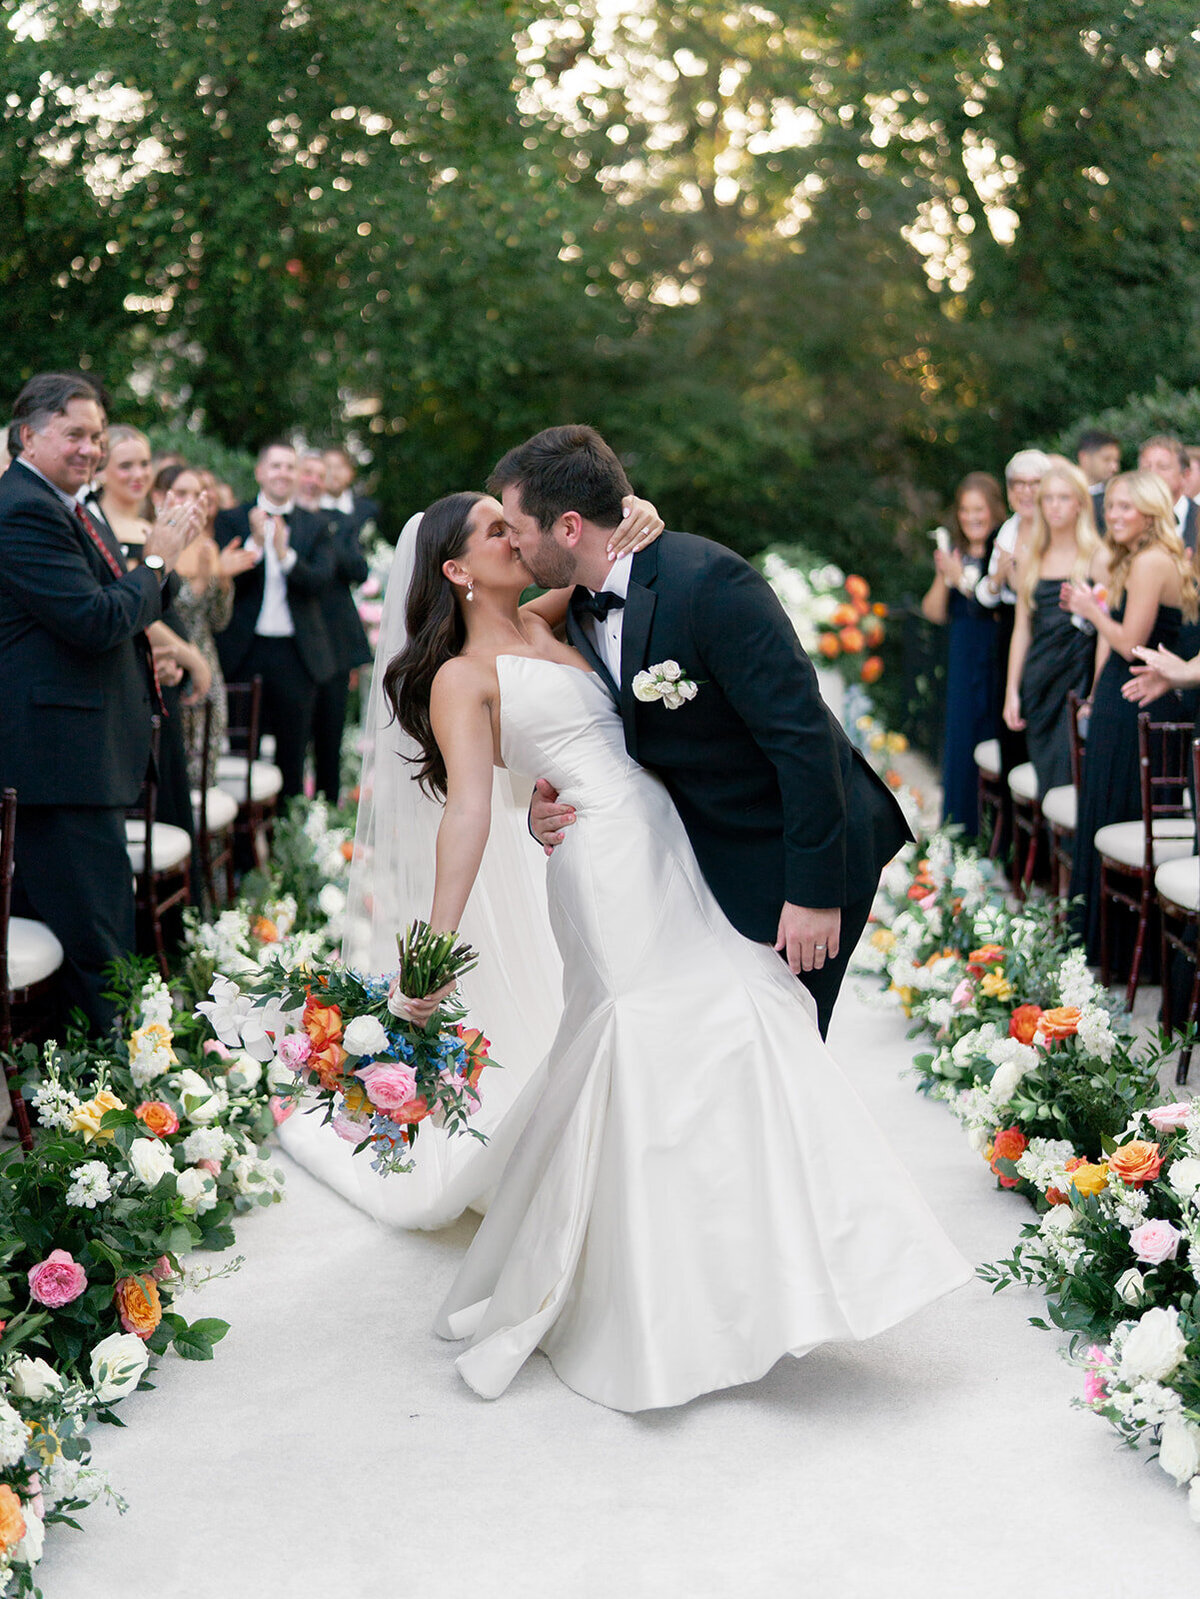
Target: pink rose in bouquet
(281,1109)
(1165,1118)
(389,1087)
(214,1046)
(1155,1241)
(346,1127)
(294,1050)
(963,993)
(57,1280)
(162,1269)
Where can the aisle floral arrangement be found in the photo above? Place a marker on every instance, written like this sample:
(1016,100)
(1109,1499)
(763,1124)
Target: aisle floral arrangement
(1042,1068)
(833,614)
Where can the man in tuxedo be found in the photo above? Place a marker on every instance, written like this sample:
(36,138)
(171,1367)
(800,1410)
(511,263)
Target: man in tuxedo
(1098,453)
(347,637)
(790,825)
(78,683)
(277,631)
(339,495)
(1191,478)
(1166,456)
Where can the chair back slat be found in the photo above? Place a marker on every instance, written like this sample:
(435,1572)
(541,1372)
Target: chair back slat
(8,839)
(1076,707)
(1165,767)
(245,725)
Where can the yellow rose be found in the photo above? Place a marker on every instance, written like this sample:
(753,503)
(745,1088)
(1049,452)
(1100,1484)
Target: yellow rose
(878,741)
(1089,1179)
(905,996)
(995,985)
(883,938)
(146,1040)
(87,1118)
(356,1099)
(897,743)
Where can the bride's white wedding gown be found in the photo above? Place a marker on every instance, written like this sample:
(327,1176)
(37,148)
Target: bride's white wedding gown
(697,1189)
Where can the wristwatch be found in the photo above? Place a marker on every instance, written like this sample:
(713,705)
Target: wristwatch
(155,564)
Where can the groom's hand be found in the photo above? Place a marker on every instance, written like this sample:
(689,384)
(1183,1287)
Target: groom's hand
(547,816)
(808,938)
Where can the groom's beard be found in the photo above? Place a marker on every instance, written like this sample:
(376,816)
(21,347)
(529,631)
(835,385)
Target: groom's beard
(550,566)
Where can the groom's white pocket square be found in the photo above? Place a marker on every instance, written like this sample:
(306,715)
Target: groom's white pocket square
(665,682)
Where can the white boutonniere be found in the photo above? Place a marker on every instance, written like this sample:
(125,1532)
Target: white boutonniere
(664,682)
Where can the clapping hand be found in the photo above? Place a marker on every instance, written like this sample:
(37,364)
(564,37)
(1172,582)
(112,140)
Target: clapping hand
(233,560)
(1080,600)
(1156,672)
(174,529)
(950,567)
(166,668)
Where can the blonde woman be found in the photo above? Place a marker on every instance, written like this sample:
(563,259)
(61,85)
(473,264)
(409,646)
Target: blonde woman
(1151,589)
(1049,655)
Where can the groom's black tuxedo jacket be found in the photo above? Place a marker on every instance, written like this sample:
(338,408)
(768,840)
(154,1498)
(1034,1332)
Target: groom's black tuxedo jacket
(777,803)
(75,685)
(307,582)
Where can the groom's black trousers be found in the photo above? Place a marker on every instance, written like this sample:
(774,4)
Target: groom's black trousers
(824,985)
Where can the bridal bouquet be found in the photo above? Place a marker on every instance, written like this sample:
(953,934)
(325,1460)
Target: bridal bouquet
(376,1075)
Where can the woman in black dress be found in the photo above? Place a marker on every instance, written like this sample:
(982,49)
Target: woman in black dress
(1049,655)
(1151,588)
(972,709)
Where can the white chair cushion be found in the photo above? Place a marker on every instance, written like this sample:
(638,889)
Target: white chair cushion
(266,746)
(265,781)
(1174,836)
(1179,881)
(1022,781)
(987,756)
(33,952)
(1060,807)
(170,847)
(221,809)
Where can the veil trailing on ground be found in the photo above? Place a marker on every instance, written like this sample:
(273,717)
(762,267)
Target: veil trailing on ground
(514,994)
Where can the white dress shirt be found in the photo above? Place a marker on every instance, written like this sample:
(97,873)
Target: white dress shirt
(275,615)
(1182,506)
(1006,543)
(606,635)
(343,502)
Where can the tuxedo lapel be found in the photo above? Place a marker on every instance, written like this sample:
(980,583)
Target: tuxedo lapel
(577,636)
(640,601)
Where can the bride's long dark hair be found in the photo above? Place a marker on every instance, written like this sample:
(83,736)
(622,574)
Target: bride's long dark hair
(436,632)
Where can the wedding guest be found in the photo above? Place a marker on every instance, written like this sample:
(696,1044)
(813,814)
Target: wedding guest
(972,700)
(340,473)
(1049,656)
(78,689)
(1191,478)
(995,590)
(1151,587)
(1165,455)
(347,636)
(123,486)
(1098,453)
(277,630)
(204,603)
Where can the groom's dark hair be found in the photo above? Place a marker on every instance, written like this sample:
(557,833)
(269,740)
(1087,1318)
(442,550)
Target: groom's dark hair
(564,469)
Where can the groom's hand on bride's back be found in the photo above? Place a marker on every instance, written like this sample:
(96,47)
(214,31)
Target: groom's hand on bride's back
(808,938)
(548,816)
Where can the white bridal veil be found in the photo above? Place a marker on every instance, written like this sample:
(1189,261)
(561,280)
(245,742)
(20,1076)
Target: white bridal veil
(514,994)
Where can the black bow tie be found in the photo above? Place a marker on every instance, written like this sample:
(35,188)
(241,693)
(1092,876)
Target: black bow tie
(598,605)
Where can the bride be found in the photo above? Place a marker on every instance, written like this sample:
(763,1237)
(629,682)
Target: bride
(677,1211)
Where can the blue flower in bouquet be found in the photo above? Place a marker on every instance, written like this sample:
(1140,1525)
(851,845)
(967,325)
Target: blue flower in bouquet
(401,1047)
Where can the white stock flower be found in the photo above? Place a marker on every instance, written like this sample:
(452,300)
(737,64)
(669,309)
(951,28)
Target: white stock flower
(941,1012)
(14,1438)
(365,1035)
(1183,1176)
(90,1185)
(332,901)
(206,1143)
(1179,1449)
(1155,1346)
(150,1160)
(197,1189)
(1076,985)
(157,1008)
(117,1364)
(1095,1032)
(29,1550)
(1152,1403)
(1130,1286)
(29,1377)
(256,1176)
(55,1104)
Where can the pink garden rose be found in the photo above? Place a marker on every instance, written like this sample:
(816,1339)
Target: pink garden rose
(346,1127)
(57,1280)
(1155,1241)
(389,1087)
(162,1269)
(281,1109)
(214,1046)
(963,993)
(1165,1118)
(210,1165)
(294,1051)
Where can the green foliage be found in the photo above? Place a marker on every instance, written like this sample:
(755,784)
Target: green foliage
(1161,410)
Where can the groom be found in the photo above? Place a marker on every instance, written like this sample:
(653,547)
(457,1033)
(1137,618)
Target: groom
(790,825)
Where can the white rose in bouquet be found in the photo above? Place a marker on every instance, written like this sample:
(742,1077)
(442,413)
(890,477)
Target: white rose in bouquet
(32,1378)
(29,1551)
(332,901)
(1155,1347)
(244,1074)
(1131,1286)
(117,1364)
(1184,1176)
(14,1435)
(197,1189)
(150,1160)
(1179,1449)
(365,1035)
(200,1102)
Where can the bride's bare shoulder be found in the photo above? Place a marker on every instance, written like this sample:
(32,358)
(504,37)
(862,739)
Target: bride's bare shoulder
(464,679)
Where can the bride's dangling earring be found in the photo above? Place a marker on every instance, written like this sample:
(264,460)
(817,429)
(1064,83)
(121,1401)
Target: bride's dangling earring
(470,589)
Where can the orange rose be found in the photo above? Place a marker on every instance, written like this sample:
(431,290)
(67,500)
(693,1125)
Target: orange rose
(1056,1196)
(1061,1022)
(1022,1024)
(872,669)
(357,1100)
(138,1305)
(265,930)
(1088,1177)
(12,1522)
(829,646)
(987,954)
(158,1117)
(857,587)
(1136,1163)
(879,608)
(412,1110)
(322,1023)
(852,640)
(1010,1143)
(843,616)
(327,1063)
(873,633)
(348,850)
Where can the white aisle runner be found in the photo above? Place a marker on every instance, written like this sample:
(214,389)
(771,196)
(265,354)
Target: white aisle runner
(331,1452)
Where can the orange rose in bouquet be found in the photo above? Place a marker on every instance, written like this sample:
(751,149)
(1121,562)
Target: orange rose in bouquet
(138,1305)
(987,955)
(1022,1024)
(323,1024)
(1136,1163)
(1010,1143)
(1061,1022)
(12,1522)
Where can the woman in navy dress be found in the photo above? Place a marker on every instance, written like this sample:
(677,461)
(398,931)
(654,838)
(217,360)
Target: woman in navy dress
(972,706)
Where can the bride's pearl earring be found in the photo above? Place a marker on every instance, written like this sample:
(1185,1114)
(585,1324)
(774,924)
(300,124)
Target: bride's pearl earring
(470,591)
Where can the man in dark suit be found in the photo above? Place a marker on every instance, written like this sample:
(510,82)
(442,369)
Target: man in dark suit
(790,825)
(340,495)
(78,686)
(277,631)
(347,637)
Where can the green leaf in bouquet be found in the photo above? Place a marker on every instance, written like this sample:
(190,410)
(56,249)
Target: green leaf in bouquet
(196,1342)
